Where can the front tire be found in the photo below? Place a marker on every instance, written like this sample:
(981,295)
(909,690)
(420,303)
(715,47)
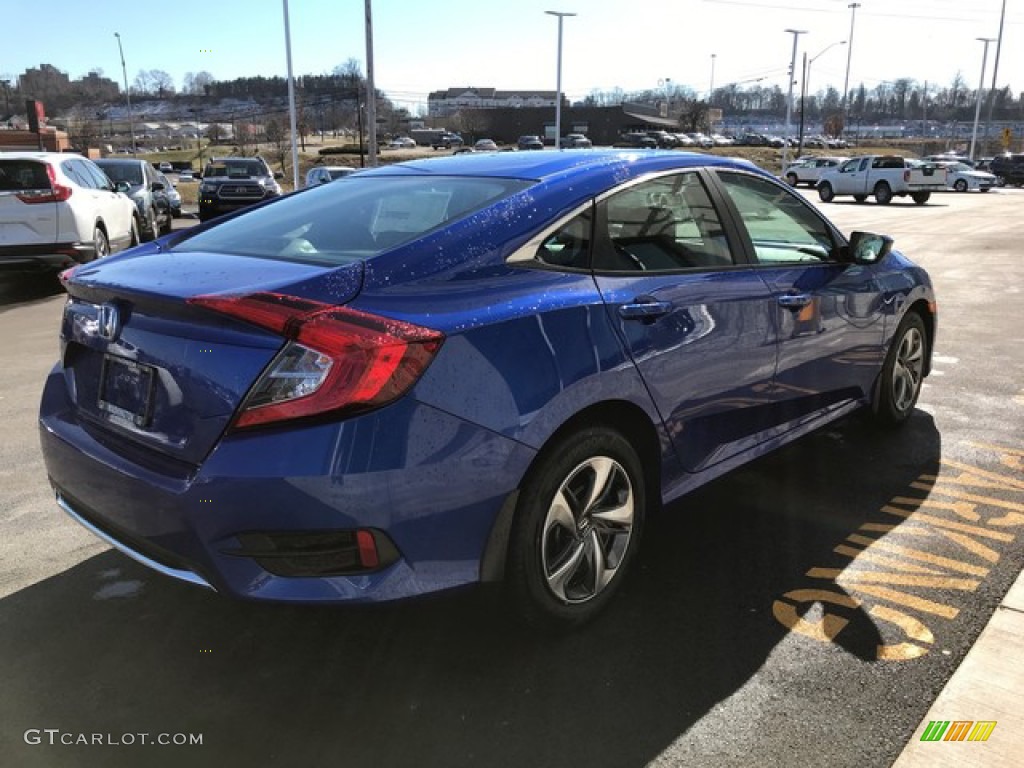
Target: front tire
(859,198)
(902,374)
(825,192)
(960,185)
(793,179)
(577,528)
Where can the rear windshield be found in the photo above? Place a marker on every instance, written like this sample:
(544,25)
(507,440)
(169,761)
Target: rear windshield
(354,218)
(236,169)
(129,172)
(23,174)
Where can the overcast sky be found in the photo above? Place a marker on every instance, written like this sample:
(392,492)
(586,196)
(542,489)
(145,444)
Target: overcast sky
(426,45)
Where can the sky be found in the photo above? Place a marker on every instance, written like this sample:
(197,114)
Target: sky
(421,46)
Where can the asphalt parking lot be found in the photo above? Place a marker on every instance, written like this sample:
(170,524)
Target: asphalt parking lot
(804,610)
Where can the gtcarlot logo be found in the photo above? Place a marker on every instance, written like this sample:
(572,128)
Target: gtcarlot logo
(55,736)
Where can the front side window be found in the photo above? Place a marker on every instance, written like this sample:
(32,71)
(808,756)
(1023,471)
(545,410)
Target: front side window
(782,228)
(664,224)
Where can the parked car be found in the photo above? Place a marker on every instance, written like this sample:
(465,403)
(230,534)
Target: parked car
(186,175)
(402,142)
(322,174)
(146,189)
(232,183)
(173,197)
(636,139)
(530,142)
(165,167)
(664,139)
(59,209)
(962,177)
(485,145)
(447,141)
(576,141)
(1009,168)
(807,170)
(461,370)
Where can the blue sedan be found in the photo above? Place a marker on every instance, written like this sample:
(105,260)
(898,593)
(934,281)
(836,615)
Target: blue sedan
(465,369)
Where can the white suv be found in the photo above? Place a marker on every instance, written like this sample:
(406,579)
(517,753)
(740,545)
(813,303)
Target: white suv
(58,210)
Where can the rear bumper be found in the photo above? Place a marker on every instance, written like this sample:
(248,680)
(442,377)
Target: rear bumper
(431,483)
(45,256)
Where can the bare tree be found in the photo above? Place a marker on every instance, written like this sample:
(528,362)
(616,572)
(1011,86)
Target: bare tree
(161,83)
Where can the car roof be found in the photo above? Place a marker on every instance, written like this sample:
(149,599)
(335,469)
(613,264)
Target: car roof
(29,154)
(121,160)
(601,166)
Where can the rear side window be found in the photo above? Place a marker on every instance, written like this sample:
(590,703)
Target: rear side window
(22,174)
(353,218)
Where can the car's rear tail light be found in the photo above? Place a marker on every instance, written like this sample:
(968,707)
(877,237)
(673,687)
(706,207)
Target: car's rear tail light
(57,193)
(336,360)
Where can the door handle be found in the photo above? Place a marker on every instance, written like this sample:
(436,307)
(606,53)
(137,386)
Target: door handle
(794,300)
(644,308)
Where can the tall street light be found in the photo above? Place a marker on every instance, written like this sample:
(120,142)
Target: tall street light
(849,56)
(127,93)
(293,123)
(371,91)
(995,72)
(981,89)
(804,85)
(789,99)
(711,86)
(558,79)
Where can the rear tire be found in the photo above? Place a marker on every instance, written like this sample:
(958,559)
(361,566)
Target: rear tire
(133,235)
(100,243)
(576,529)
(899,384)
(960,185)
(825,192)
(859,198)
(883,193)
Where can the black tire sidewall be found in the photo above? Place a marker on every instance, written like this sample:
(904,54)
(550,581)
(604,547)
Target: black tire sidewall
(525,581)
(826,193)
(99,236)
(884,408)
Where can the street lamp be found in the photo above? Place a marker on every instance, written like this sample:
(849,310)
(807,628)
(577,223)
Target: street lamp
(711,86)
(291,97)
(371,90)
(198,113)
(789,99)
(981,88)
(804,88)
(849,56)
(127,94)
(995,72)
(558,79)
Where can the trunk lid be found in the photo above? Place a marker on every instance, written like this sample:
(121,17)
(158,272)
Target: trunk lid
(23,223)
(157,373)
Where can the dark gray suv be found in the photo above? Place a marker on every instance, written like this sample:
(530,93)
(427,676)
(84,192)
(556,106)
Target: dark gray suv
(231,183)
(1009,168)
(145,189)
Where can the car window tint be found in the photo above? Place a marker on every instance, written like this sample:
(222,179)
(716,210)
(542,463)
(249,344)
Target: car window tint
(99,178)
(72,171)
(664,224)
(354,219)
(23,174)
(569,245)
(781,226)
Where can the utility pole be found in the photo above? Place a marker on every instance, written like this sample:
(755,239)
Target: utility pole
(789,99)
(995,72)
(849,57)
(127,94)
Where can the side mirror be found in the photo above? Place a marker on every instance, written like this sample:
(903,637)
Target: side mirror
(158,186)
(868,248)
(278,175)
(123,186)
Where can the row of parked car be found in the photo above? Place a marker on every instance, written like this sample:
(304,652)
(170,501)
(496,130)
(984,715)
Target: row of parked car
(962,174)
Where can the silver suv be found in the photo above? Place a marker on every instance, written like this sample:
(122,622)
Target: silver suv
(146,189)
(59,209)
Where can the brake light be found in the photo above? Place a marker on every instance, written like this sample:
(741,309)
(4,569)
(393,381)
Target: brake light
(337,360)
(57,193)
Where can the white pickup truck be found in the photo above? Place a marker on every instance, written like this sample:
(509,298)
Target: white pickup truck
(883,177)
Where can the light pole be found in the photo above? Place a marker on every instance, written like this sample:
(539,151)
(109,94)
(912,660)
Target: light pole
(789,99)
(127,94)
(849,56)
(981,89)
(371,91)
(711,85)
(558,79)
(804,88)
(995,72)
(291,98)
(198,113)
